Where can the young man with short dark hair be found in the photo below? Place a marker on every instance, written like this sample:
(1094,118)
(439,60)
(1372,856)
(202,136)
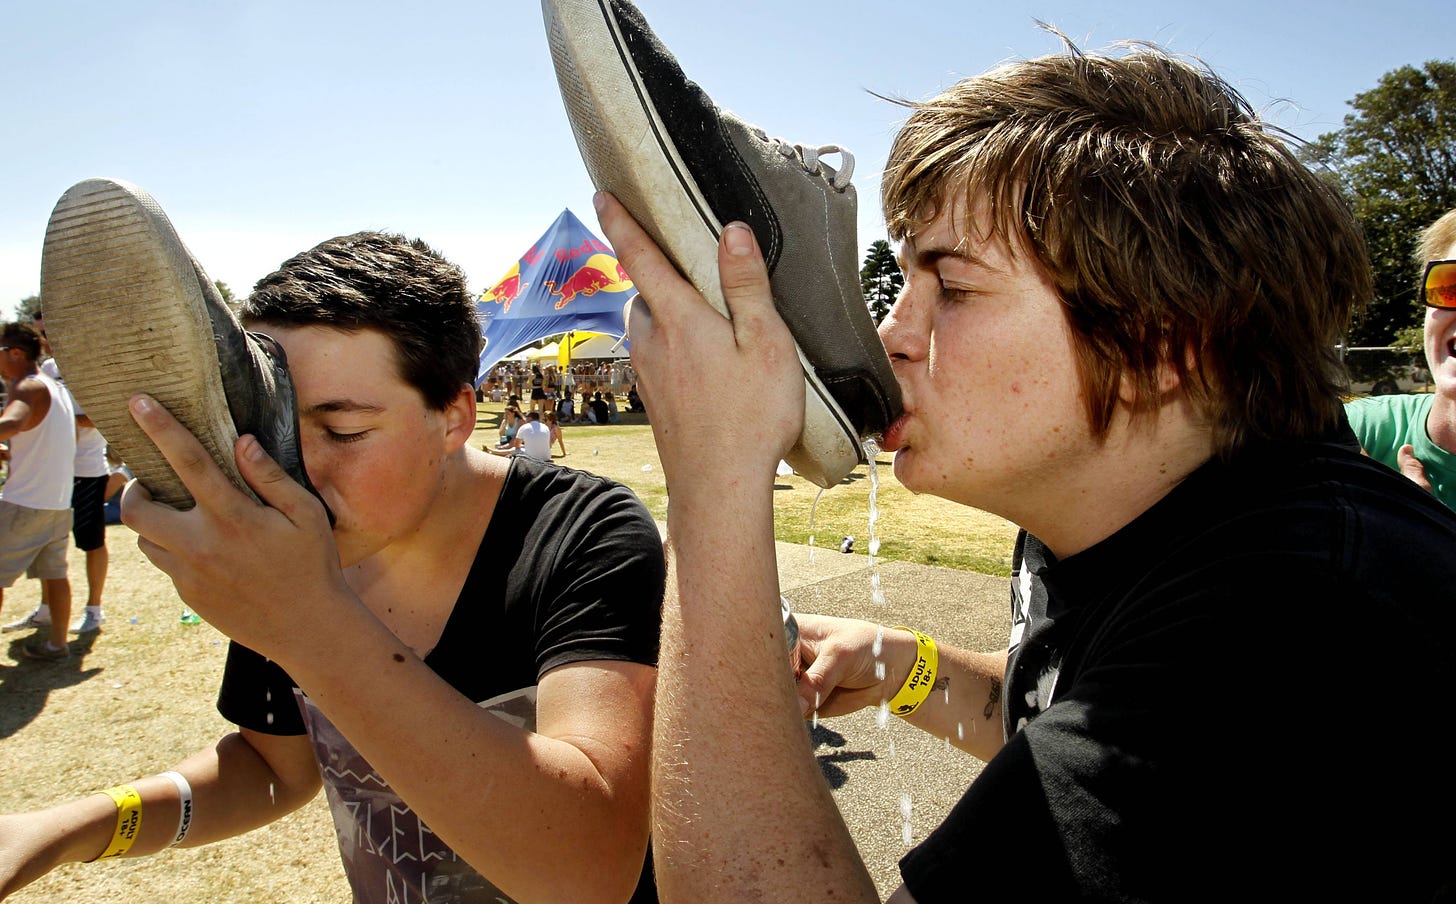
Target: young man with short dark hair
(370,652)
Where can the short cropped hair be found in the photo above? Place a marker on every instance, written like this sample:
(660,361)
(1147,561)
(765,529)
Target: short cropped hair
(22,336)
(1178,230)
(1436,240)
(403,288)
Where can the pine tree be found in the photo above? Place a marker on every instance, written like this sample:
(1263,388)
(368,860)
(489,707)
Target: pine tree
(881,279)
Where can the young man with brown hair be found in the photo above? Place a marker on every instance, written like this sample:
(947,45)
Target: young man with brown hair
(1138,289)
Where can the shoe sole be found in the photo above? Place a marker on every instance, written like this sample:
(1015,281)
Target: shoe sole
(125,314)
(628,152)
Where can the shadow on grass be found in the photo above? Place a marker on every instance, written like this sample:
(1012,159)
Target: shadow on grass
(26,686)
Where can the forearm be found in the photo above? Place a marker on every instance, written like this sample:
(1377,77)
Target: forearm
(740,809)
(532,813)
(234,790)
(964,705)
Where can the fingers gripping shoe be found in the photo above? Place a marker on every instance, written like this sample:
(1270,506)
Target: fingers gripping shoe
(684,168)
(130,310)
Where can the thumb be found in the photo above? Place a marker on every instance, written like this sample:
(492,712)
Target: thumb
(1411,467)
(272,484)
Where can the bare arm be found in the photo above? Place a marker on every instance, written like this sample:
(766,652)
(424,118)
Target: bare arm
(740,811)
(28,404)
(246,780)
(841,676)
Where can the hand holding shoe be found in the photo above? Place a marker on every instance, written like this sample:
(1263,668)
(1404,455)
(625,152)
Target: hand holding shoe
(726,396)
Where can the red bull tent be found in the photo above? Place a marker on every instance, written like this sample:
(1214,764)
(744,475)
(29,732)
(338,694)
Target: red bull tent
(568,280)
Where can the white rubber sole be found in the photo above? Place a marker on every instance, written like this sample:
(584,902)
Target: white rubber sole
(125,315)
(628,153)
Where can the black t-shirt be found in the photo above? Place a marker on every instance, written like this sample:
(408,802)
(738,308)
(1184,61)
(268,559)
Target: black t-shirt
(1241,695)
(570,569)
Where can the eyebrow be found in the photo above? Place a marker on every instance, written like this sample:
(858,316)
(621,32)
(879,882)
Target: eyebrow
(931,257)
(348,406)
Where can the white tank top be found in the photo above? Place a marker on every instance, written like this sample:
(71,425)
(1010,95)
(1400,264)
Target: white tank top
(90,447)
(43,458)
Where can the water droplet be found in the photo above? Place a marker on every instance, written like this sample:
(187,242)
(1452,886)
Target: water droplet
(594,451)
(646,468)
(879,670)
(272,798)
(960,731)
(892,747)
(871,451)
(905,807)
(270,718)
(879,644)
(882,718)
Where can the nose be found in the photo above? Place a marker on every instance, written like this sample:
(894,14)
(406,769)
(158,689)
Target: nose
(905,330)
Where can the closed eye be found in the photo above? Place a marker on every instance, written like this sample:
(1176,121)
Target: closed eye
(343,437)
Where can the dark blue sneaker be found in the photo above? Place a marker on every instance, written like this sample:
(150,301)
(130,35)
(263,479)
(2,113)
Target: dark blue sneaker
(128,310)
(683,168)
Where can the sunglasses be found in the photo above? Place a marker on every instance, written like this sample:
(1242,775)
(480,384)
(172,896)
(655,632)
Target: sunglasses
(1438,287)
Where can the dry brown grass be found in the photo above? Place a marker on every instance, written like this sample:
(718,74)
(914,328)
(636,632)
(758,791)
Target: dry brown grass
(133,700)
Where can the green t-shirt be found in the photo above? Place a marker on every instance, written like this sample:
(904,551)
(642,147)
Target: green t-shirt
(1385,423)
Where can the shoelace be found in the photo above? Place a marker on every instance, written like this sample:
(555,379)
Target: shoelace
(808,158)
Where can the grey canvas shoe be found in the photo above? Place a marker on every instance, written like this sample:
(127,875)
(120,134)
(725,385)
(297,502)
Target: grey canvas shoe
(129,310)
(684,168)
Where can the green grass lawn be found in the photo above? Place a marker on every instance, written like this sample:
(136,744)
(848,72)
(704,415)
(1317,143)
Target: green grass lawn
(911,528)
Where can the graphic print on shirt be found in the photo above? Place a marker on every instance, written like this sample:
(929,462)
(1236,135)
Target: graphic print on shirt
(1032,665)
(390,855)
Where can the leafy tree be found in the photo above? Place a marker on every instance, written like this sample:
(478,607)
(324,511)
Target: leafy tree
(1395,157)
(228,298)
(881,279)
(26,307)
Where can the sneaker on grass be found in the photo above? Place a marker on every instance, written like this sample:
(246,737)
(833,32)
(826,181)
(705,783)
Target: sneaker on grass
(683,168)
(30,622)
(42,650)
(90,621)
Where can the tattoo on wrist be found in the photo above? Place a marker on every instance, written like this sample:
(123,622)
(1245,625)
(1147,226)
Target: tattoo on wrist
(992,700)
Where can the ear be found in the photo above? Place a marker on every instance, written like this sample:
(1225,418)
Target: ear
(460,417)
(1167,376)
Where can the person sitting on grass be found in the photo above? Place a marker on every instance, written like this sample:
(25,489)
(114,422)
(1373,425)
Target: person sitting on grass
(511,421)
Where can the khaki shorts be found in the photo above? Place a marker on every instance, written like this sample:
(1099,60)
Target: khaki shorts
(32,542)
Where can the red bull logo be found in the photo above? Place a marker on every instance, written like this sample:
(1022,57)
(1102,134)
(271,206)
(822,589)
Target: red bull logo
(600,273)
(506,291)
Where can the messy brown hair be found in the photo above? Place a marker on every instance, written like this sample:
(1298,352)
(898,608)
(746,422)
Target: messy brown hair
(1178,229)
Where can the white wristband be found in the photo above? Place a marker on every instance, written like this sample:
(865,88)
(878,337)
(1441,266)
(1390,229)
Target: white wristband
(184,817)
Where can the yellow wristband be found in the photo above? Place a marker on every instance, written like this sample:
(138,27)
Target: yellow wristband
(921,678)
(128,820)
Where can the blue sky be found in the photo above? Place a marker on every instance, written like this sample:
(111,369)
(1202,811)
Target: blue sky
(264,127)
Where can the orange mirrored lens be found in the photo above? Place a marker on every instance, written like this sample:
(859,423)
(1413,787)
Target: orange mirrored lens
(1440,288)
